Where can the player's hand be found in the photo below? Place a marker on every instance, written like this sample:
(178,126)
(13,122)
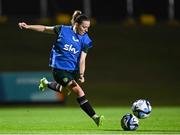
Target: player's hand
(81,79)
(23,25)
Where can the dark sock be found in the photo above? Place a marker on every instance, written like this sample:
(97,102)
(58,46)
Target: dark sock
(84,104)
(54,86)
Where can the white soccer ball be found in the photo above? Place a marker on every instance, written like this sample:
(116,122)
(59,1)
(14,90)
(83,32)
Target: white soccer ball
(141,108)
(129,122)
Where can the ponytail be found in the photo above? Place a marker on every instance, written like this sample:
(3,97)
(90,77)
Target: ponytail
(75,15)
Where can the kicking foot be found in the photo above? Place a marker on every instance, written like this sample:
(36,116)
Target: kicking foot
(99,120)
(43,84)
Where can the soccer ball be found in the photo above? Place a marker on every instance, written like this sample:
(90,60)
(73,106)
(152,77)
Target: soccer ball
(141,108)
(129,122)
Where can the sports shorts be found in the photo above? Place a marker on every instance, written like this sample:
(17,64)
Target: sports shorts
(63,77)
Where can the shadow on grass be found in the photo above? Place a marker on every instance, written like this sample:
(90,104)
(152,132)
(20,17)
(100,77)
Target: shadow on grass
(148,131)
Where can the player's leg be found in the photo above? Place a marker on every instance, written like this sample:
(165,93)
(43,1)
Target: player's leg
(66,79)
(44,83)
(84,103)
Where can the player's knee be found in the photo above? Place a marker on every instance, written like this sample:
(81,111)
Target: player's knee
(73,86)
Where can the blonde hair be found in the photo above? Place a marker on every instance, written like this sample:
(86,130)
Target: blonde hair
(75,15)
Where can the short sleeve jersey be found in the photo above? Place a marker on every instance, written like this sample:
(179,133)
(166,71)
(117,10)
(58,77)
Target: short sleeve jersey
(66,51)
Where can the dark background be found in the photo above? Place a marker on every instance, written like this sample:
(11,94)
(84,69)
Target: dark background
(102,10)
(127,62)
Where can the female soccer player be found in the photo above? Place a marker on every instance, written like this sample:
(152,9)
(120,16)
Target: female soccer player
(68,57)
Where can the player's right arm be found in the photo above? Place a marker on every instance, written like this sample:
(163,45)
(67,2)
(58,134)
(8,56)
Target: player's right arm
(39,28)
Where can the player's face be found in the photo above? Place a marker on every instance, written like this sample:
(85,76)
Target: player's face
(83,27)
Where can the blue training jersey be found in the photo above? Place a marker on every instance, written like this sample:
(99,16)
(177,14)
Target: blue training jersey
(66,51)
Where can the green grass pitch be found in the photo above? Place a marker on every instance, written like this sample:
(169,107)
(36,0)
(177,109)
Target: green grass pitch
(69,120)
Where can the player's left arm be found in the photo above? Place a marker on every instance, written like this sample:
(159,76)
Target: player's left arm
(82,66)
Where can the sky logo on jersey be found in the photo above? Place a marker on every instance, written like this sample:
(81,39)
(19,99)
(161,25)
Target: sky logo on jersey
(70,48)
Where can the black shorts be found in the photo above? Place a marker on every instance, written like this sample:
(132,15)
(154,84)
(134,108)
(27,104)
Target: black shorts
(63,77)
